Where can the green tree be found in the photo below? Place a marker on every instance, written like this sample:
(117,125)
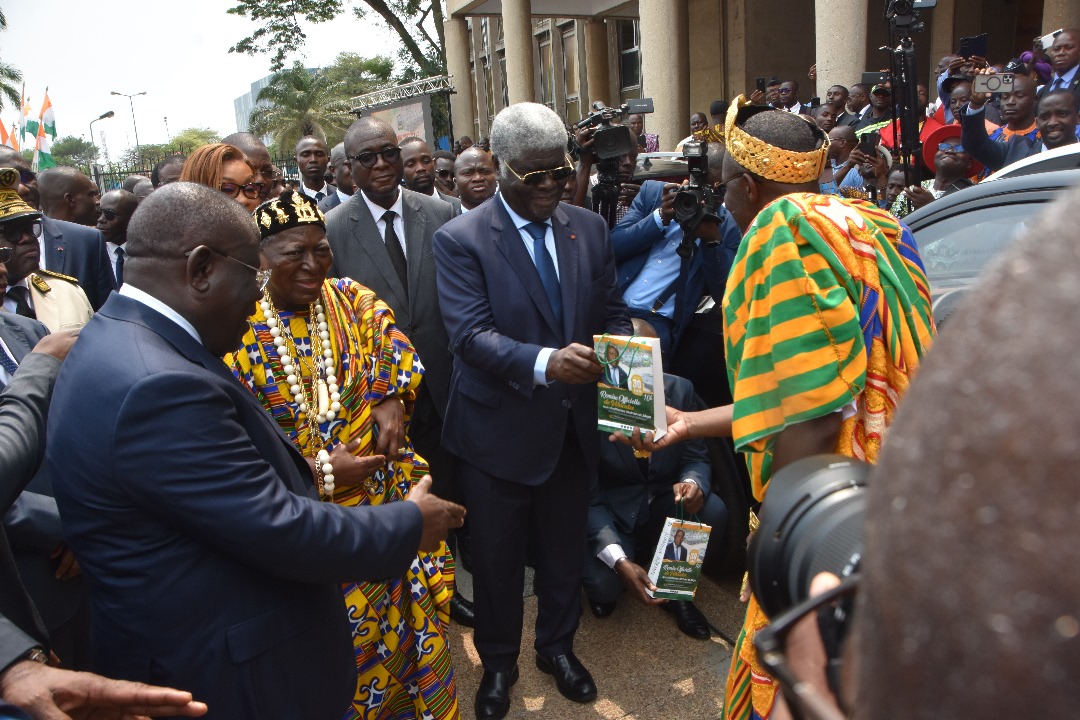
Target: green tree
(301,102)
(352,74)
(190,138)
(280,31)
(74,151)
(182,143)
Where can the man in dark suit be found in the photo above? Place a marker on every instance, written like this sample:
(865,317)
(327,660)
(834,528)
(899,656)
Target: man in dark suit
(71,249)
(658,285)
(1065,60)
(525,282)
(212,564)
(339,165)
(675,550)
(419,166)
(614,375)
(1056,117)
(631,498)
(33,528)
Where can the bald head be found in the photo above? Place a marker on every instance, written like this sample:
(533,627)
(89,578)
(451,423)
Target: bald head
(67,194)
(964,608)
(144,188)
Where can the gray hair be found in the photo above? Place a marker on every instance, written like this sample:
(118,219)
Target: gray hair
(525,127)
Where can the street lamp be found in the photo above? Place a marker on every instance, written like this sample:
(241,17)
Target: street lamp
(102,116)
(138,153)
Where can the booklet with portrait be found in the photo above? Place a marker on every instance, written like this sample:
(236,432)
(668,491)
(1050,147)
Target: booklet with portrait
(630,392)
(676,564)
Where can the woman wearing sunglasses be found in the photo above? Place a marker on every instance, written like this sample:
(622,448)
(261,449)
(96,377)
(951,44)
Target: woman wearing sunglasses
(225,168)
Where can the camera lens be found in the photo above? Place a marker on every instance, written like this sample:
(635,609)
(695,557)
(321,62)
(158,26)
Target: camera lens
(811,522)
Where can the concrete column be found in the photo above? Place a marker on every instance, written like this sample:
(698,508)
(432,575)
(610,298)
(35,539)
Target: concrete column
(665,68)
(840,50)
(479,82)
(496,66)
(736,77)
(457,64)
(518,41)
(942,32)
(596,65)
(1060,15)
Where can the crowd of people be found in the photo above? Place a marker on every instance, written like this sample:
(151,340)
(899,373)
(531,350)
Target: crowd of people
(290,409)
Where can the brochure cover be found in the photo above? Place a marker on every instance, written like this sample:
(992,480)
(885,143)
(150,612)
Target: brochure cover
(676,565)
(630,393)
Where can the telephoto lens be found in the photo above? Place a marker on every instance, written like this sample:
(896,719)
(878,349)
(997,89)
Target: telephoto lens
(811,522)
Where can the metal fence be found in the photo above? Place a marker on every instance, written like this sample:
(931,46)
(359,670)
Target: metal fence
(112,177)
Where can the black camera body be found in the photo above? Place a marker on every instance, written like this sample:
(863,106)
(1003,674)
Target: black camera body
(696,201)
(609,143)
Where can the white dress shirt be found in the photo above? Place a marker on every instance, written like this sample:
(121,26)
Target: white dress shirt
(377,212)
(156,305)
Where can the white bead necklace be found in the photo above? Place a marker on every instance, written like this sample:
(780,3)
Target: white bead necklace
(318,400)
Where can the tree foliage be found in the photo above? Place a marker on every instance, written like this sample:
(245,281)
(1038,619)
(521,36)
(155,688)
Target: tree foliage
(182,143)
(74,151)
(301,102)
(9,76)
(352,75)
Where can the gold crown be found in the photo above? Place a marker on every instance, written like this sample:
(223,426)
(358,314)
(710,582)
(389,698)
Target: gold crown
(291,209)
(769,161)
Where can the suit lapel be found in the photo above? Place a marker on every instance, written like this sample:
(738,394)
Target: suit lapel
(16,341)
(566,247)
(372,245)
(415,229)
(508,240)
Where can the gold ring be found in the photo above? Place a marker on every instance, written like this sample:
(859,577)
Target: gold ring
(642,454)
(401,450)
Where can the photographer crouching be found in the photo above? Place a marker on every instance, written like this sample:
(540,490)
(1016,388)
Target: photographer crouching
(826,316)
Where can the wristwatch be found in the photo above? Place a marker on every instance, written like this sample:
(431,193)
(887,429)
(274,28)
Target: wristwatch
(36,654)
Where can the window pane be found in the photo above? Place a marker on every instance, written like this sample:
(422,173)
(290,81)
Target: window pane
(570,63)
(630,69)
(546,90)
(627,35)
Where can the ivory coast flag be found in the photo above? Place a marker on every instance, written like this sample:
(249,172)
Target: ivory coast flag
(14,138)
(43,150)
(27,124)
(4,140)
(48,121)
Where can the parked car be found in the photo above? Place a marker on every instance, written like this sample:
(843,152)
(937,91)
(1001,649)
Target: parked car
(960,233)
(1062,158)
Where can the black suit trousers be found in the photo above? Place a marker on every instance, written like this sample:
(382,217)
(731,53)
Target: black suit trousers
(507,520)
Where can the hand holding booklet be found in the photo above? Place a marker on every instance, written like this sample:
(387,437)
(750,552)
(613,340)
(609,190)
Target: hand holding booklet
(630,392)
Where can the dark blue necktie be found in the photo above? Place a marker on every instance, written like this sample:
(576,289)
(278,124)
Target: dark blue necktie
(119,266)
(19,294)
(546,267)
(7,362)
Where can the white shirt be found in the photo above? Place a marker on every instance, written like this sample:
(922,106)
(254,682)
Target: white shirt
(111,248)
(129,290)
(796,108)
(377,212)
(1066,78)
(9,302)
(342,197)
(311,193)
(540,366)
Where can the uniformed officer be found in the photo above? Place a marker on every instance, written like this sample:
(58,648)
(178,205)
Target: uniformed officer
(53,299)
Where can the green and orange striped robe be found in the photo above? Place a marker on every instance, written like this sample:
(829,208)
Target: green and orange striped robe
(827,303)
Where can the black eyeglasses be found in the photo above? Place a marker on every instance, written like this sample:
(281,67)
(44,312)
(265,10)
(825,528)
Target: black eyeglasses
(805,699)
(443,173)
(15,230)
(536,177)
(6,253)
(251,191)
(390,156)
(110,215)
(262,277)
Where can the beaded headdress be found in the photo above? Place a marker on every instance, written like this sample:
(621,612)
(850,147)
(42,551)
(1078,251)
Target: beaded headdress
(769,161)
(11,204)
(290,209)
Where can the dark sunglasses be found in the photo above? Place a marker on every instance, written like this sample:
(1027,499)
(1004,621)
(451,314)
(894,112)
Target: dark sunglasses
(251,191)
(110,215)
(443,173)
(6,253)
(389,155)
(950,147)
(14,231)
(27,176)
(536,177)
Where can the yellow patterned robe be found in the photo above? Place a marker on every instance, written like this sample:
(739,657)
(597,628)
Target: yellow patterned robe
(399,626)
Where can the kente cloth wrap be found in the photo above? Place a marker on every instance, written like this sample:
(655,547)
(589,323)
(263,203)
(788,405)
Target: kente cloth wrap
(827,303)
(399,626)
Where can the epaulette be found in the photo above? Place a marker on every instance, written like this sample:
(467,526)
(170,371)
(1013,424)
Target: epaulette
(43,287)
(50,273)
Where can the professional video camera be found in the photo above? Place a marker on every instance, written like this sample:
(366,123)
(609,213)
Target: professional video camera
(609,143)
(696,201)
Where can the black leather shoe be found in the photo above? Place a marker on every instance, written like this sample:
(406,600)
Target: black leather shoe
(573,680)
(493,695)
(461,611)
(689,619)
(601,610)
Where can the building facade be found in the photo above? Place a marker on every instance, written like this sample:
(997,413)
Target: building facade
(686,53)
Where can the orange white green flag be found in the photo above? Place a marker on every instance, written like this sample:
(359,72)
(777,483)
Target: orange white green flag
(4,139)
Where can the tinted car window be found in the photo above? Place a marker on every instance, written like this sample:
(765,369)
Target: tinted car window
(956,248)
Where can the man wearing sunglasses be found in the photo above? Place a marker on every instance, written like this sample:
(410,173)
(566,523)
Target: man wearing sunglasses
(525,282)
(53,299)
(65,247)
(444,172)
(117,207)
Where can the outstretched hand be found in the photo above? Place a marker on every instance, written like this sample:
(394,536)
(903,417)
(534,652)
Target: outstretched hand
(677,431)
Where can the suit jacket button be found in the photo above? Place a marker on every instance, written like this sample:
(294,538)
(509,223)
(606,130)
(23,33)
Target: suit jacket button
(514,385)
(566,403)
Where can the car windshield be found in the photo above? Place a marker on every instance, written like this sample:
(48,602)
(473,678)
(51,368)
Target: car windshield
(956,249)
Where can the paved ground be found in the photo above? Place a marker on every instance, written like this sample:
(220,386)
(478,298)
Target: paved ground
(644,667)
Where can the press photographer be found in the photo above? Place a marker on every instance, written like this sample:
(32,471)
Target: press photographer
(663,270)
(599,140)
